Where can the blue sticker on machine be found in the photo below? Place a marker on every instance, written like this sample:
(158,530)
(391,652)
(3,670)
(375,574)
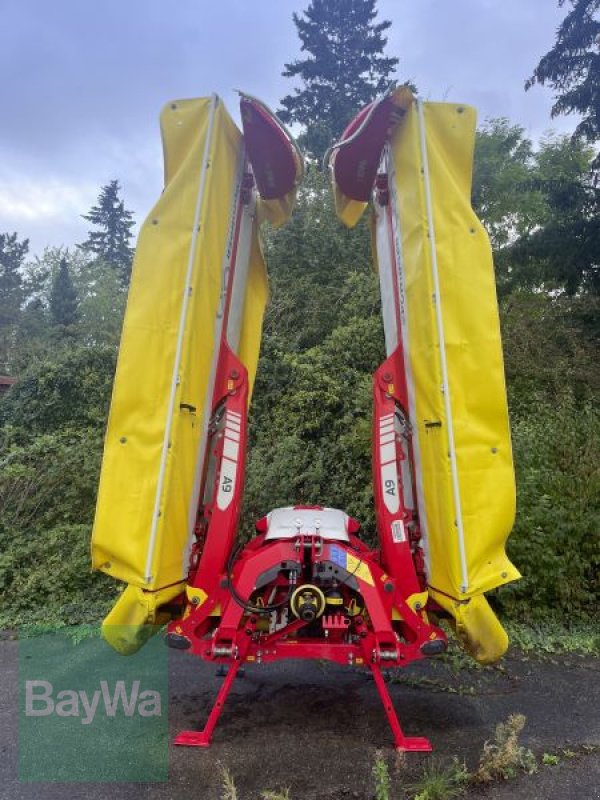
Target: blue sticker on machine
(338,555)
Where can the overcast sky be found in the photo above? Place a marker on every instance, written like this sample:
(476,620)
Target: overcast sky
(84,81)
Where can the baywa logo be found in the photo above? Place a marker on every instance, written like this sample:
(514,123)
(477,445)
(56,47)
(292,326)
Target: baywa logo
(41,700)
(88,714)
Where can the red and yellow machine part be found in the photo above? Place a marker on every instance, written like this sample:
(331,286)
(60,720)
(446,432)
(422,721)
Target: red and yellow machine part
(306,585)
(445,367)
(192,330)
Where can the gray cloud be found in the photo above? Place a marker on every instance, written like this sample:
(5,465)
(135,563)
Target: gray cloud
(478,52)
(84,83)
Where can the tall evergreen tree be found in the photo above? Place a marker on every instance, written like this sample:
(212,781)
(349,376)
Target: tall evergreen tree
(12,256)
(63,300)
(572,68)
(344,70)
(563,251)
(111,243)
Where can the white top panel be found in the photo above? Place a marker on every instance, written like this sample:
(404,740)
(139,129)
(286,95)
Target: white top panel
(287,523)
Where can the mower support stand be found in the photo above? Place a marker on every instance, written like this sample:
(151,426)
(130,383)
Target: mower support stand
(202,738)
(401,742)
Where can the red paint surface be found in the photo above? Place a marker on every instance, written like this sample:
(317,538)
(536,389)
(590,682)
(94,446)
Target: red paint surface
(269,150)
(355,165)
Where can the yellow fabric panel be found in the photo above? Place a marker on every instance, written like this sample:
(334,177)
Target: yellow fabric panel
(476,626)
(473,352)
(143,380)
(278,211)
(135,617)
(257,296)
(349,211)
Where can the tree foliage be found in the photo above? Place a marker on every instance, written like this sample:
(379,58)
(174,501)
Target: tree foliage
(563,250)
(63,300)
(309,261)
(572,68)
(550,343)
(70,387)
(503,194)
(89,296)
(310,425)
(51,430)
(344,69)
(555,540)
(110,242)
(541,207)
(12,256)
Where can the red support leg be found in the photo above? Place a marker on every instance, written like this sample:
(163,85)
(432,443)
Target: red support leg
(202,738)
(401,742)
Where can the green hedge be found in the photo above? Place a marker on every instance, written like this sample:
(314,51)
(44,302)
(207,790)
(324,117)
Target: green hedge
(311,436)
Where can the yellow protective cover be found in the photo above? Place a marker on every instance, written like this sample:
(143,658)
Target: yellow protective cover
(430,168)
(185,234)
(475,370)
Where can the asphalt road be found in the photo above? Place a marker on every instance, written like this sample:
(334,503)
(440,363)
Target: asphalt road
(315,728)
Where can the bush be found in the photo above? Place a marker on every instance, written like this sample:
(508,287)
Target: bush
(45,577)
(51,432)
(47,499)
(312,441)
(73,389)
(555,541)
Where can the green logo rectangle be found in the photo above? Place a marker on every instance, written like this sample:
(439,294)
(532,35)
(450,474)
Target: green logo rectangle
(87,713)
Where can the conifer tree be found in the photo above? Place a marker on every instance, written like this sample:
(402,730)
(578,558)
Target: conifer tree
(344,69)
(63,300)
(111,242)
(572,69)
(12,255)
